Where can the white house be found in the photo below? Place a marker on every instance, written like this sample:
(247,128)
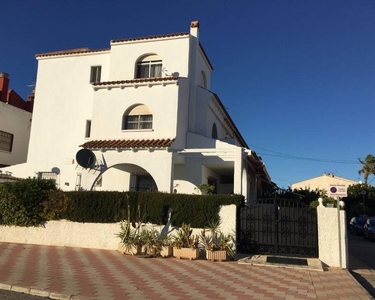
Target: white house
(137,116)
(322,182)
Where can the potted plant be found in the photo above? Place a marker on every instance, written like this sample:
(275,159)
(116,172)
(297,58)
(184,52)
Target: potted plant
(165,245)
(218,246)
(185,244)
(132,240)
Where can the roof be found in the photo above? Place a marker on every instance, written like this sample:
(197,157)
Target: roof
(7,177)
(325,175)
(205,55)
(137,80)
(71,51)
(128,144)
(230,122)
(150,37)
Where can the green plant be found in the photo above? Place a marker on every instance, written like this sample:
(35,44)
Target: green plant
(207,189)
(216,240)
(21,201)
(185,238)
(55,205)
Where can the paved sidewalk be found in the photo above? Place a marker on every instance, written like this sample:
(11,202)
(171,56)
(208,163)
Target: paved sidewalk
(76,273)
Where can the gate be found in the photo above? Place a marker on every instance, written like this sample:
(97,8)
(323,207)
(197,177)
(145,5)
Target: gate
(278,226)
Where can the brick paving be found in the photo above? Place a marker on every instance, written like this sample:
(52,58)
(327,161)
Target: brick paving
(78,273)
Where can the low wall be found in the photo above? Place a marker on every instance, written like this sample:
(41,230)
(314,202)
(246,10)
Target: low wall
(332,236)
(91,235)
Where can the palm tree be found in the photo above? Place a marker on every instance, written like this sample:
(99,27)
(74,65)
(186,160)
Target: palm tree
(368,167)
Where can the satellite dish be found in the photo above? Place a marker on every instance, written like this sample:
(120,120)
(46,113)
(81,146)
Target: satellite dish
(55,170)
(86,158)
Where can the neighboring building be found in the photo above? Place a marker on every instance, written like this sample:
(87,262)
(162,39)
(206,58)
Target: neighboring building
(7,177)
(322,182)
(15,124)
(145,117)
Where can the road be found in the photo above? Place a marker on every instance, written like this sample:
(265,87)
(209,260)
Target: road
(8,295)
(362,261)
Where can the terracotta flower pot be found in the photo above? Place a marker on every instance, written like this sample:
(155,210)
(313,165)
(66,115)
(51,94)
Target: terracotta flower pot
(218,255)
(186,253)
(166,251)
(131,250)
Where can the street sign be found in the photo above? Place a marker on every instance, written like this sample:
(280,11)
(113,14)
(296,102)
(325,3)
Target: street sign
(337,190)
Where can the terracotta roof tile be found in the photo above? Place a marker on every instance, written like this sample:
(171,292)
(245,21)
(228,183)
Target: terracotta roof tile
(71,51)
(137,80)
(151,37)
(128,144)
(9,177)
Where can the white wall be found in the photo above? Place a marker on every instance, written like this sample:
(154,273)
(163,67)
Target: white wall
(332,236)
(90,235)
(17,122)
(110,106)
(173,51)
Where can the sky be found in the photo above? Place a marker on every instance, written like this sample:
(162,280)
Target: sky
(297,77)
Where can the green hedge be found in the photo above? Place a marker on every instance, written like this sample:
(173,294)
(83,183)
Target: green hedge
(31,202)
(21,202)
(109,207)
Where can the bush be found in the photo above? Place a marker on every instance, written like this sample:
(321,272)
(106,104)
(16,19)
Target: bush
(55,205)
(110,207)
(21,201)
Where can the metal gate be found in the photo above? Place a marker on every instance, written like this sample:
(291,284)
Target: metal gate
(278,226)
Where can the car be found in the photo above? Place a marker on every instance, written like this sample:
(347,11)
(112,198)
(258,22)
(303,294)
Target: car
(369,229)
(356,225)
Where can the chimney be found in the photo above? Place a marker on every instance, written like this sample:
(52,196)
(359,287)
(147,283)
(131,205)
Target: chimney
(30,102)
(194,29)
(4,85)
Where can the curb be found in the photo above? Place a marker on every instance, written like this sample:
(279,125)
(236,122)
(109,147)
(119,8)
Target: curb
(41,293)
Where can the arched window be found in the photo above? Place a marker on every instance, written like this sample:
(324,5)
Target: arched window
(203,80)
(138,117)
(214,131)
(149,66)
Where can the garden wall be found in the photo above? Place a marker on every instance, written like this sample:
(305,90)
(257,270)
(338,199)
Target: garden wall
(332,236)
(92,235)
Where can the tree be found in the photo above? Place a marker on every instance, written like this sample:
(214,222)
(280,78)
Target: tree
(368,167)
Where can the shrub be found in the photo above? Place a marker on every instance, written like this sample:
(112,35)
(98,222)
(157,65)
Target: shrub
(20,201)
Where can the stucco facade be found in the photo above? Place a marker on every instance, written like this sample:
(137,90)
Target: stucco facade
(144,111)
(322,182)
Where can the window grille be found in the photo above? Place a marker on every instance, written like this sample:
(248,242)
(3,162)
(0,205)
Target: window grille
(142,182)
(6,141)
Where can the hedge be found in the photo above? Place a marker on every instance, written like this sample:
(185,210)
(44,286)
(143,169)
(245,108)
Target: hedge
(109,207)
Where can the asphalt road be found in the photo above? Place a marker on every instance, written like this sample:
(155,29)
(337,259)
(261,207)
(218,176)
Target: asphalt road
(8,295)
(362,261)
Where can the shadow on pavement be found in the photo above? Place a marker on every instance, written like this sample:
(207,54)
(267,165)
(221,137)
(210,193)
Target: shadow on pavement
(363,281)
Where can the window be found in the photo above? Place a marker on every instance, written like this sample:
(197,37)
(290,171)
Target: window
(95,74)
(88,129)
(142,182)
(149,66)
(139,117)
(6,141)
(214,131)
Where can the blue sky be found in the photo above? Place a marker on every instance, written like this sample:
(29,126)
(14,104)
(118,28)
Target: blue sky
(297,77)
